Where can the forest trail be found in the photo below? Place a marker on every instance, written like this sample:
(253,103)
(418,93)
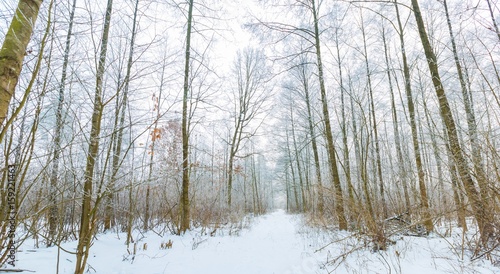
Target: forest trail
(270,245)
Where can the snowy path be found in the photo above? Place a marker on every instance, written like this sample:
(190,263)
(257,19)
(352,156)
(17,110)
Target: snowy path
(270,245)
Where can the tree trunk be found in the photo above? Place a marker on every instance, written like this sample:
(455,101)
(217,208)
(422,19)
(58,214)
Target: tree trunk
(87,225)
(184,201)
(416,147)
(482,215)
(249,75)
(14,49)
(338,195)
(355,135)
(481,177)
(437,158)
(314,144)
(455,184)
(495,25)
(374,123)
(347,162)
(295,194)
(119,127)
(297,160)
(53,210)
(395,123)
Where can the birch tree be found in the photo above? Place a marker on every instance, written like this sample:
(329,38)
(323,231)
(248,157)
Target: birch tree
(14,49)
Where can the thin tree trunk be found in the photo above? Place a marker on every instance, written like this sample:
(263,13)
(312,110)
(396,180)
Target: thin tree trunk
(437,158)
(184,201)
(395,123)
(297,160)
(495,25)
(293,173)
(287,190)
(255,187)
(481,177)
(455,184)
(53,210)
(347,162)
(338,195)
(374,124)
(154,137)
(130,215)
(357,146)
(416,147)
(120,112)
(314,144)
(87,226)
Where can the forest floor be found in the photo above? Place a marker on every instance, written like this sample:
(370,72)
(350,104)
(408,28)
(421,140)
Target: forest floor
(273,243)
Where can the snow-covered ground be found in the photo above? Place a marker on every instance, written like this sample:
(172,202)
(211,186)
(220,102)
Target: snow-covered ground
(274,243)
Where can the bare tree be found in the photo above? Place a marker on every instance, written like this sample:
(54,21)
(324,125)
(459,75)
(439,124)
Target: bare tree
(184,201)
(481,177)
(54,214)
(480,209)
(339,200)
(414,133)
(88,213)
(250,73)
(119,124)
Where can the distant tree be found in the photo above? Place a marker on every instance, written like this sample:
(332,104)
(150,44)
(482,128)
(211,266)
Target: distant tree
(249,97)
(373,117)
(312,35)
(303,75)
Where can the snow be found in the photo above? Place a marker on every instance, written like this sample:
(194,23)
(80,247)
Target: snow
(273,243)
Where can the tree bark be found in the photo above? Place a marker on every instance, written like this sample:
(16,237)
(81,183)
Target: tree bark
(14,49)
(435,149)
(297,160)
(495,25)
(247,103)
(294,185)
(347,162)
